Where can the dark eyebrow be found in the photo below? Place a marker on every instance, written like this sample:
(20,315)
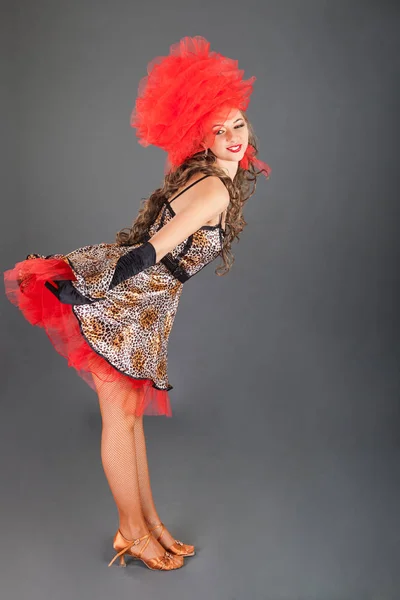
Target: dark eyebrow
(219,124)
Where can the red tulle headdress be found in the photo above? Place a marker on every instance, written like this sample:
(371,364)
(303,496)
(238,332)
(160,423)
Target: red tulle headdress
(182,95)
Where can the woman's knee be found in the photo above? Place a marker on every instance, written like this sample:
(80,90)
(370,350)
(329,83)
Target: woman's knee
(117,401)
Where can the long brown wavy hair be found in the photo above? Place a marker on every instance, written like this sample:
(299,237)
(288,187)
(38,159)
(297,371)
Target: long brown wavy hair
(240,189)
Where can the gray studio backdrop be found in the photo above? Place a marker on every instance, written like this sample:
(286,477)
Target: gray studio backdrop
(280,462)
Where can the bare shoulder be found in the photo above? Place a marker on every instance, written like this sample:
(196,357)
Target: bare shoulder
(211,187)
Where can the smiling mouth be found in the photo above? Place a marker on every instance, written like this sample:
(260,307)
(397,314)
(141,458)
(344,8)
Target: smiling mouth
(234,148)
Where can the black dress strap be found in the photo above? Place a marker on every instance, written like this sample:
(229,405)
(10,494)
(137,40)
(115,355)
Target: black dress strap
(189,186)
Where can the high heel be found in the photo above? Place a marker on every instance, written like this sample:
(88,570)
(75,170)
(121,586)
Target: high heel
(178,548)
(167,562)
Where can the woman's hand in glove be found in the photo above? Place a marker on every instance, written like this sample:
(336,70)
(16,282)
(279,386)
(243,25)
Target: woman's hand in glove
(67,293)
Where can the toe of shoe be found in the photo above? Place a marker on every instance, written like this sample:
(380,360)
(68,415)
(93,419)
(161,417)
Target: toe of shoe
(182,549)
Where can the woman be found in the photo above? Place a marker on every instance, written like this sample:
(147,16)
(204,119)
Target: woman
(109,308)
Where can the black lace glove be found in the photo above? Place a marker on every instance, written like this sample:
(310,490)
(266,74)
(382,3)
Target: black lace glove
(133,262)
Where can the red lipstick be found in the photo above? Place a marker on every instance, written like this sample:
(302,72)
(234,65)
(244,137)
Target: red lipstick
(235,148)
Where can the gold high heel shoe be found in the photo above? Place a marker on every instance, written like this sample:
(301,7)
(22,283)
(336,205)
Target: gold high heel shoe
(167,562)
(178,548)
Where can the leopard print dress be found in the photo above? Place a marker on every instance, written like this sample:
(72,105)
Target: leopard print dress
(130,324)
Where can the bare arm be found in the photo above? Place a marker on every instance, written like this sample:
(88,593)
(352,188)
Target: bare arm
(211,199)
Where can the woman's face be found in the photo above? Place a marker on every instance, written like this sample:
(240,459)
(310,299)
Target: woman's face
(230,134)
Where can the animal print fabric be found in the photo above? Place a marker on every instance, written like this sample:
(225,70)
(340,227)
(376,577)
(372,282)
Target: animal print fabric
(130,324)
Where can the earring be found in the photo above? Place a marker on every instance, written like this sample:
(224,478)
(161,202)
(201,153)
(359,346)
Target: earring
(206,152)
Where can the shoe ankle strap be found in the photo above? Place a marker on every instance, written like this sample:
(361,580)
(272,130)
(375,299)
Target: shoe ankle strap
(135,540)
(162,530)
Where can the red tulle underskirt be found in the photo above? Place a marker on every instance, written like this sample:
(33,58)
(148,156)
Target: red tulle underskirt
(24,286)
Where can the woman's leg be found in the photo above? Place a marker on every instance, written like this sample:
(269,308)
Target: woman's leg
(118,455)
(146,496)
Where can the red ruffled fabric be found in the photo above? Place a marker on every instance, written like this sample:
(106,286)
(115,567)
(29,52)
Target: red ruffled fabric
(181,95)
(250,157)
(24,286)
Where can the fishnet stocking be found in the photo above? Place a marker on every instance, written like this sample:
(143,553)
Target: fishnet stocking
(119,460)
(146,496)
